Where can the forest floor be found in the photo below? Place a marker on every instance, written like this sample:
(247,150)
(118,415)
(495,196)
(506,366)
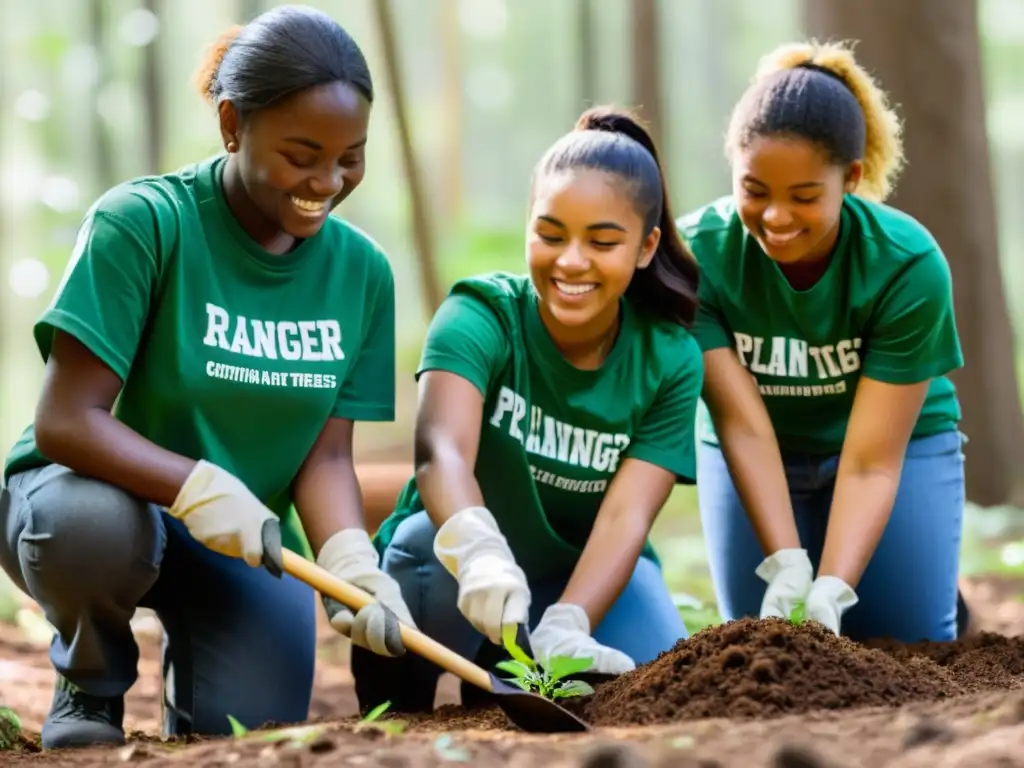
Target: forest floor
(742,694)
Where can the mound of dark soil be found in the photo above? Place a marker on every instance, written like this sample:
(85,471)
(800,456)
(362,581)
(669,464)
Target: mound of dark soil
(981,662)
(757,669)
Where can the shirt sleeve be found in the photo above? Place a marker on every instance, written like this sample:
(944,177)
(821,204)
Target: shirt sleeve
(105,293)
(709,327)
(465,338)
(368,392)
(913,335)
(666,436)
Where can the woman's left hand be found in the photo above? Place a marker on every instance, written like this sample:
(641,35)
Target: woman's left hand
(350,556)
(564,630)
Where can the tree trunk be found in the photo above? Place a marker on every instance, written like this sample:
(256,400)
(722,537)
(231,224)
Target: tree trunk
(153,95)
(423,237)
(249,10)
(104,153)
(647,68)
(926,55)
(451,53)
(588,66)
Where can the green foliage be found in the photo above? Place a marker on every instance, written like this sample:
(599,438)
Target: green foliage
(474,251)
(10,729)
(550,682)
(237,729)
(796,616)
(372,720)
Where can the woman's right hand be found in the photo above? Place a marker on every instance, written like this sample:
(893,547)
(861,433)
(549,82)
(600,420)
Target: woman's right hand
(225,516)
(493,591)
(789,575)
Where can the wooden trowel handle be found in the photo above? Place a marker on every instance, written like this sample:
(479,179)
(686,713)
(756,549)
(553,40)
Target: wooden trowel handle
(354,598)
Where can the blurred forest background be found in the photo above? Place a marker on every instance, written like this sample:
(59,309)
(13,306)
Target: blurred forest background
(471,92)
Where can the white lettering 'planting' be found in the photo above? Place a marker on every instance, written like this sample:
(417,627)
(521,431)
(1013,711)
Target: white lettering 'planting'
(789,358)
(553,439)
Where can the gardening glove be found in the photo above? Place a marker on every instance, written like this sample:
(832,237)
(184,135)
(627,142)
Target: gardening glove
(788,573)
(225,516)
(564,630)
(830,597)
(350,556)
(492,588)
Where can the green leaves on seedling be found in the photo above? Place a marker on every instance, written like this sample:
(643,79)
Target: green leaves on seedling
(295,735)
(549,682)
(237,729)
(305,734)
(372,720)
(796,616)
(10,728)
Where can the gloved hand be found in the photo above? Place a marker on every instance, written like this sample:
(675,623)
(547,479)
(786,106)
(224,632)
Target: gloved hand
(225,516)
(829,598)
(492,588)
(564,630)
(350,556)
(789,574)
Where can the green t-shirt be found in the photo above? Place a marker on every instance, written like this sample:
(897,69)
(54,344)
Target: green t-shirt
(883,309)
(553,435)
(227,352)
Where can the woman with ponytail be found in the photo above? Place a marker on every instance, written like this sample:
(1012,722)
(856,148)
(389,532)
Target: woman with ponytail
(830,462)
(556,414)
(215,338)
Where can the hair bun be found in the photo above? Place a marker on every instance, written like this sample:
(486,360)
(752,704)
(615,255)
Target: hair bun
(612,120)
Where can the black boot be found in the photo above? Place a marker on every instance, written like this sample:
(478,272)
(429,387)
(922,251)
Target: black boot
(78,719)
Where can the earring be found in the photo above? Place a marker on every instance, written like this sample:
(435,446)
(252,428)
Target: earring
(232,146)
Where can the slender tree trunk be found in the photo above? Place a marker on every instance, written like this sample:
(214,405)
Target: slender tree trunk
(423,236)
(153,96)
(647,68)
(451,172)
(249,10)
(588,67)
(926,54)
(104,154)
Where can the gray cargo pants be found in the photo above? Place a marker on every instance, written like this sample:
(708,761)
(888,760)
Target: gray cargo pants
(237,640)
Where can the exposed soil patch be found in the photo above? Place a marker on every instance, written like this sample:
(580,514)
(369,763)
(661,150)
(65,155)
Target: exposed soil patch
(748,694)
(751,668)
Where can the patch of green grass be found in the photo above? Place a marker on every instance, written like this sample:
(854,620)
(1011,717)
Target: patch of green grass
(10,729)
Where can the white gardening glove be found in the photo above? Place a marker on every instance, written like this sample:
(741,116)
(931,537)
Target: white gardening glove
(564,630)
(789,574)
(224,515)
(351,557)
(830,597)
(492,588)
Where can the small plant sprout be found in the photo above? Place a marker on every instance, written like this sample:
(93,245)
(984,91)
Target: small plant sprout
(10,728)
(796,616)
(550,681)
(372,720)
(295,736)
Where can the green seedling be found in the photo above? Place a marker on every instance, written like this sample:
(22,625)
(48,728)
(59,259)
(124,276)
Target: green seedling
(10,728)
(372,720)
(550,681)
(294,735)
(237,729)
(796,616)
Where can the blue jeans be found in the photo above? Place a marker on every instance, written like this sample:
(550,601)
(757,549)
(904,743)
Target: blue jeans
(909,589)
(641,623)
(237,640)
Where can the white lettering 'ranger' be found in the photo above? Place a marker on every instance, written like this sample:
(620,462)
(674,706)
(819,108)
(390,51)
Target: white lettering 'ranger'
(309,340)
